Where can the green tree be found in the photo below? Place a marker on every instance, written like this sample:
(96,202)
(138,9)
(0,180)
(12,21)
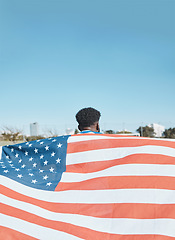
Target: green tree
(109,132)
(123,132)
(76,131)
(169,133)
(33,138)
(146,131)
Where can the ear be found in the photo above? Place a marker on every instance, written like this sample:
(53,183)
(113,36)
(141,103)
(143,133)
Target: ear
(97,127)
(80,128)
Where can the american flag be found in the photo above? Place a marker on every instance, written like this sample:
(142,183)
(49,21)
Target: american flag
(88,186)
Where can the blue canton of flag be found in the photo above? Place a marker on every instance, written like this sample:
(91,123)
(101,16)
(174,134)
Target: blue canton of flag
(38,164)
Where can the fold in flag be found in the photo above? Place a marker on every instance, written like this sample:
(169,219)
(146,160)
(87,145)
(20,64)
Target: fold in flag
(88,186)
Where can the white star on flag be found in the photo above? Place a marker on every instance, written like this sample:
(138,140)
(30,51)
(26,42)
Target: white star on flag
(47,148)
(53,154)
(34,181)
(48,184)
(58,160)
(51,169)
(26,153)
(45,162)
(36,150)
(59,145)
(19,176)
(45,177)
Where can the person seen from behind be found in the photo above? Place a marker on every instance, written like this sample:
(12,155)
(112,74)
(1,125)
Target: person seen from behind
(88,120)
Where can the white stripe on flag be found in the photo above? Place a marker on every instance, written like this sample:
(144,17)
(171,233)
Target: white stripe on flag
(106,225)
(116,226)
(80,138)
(155,196)
(34,230)
(123,170)
(116,153)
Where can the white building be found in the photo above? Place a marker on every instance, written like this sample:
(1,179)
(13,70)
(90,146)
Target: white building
(34,129)
(158,129)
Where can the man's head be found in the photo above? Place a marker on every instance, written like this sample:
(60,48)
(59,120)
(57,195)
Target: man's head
(88,119)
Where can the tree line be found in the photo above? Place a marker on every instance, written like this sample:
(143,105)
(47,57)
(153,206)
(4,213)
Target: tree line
(14,134)
(147,131)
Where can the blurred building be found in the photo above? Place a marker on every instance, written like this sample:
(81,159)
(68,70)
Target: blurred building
(69,131)
(158,129)
(34,129)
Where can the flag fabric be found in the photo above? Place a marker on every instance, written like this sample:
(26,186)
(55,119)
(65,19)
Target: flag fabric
(88,186)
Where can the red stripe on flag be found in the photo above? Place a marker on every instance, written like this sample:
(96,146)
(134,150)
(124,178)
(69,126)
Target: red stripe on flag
(82,232)
(131,159)
(9,234)
(109,210)
(120,182)
(115,143)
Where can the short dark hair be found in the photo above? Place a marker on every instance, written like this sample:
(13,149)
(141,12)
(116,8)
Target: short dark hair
(87,116)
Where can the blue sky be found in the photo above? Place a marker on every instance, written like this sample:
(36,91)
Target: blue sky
(57,57)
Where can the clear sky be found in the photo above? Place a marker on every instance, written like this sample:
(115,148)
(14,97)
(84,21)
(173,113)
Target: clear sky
(58,56)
